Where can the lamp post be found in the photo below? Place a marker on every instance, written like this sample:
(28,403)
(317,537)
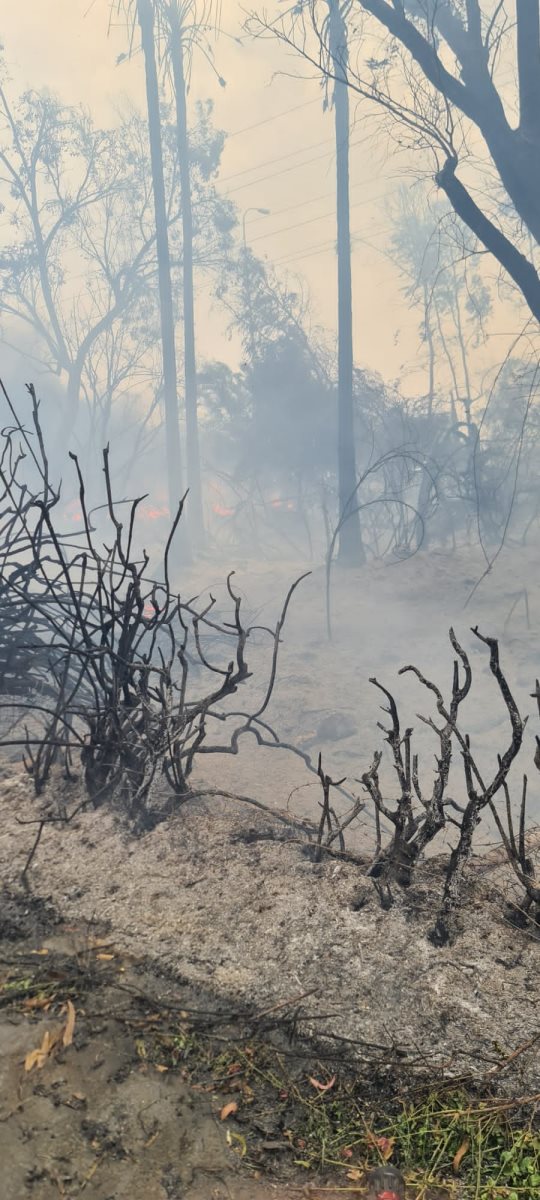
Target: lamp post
(264,212)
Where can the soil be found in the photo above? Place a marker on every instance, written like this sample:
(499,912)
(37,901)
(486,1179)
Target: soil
(97,1118)
(140,1101)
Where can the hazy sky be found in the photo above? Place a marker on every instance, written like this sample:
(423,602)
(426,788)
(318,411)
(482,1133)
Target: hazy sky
(284,164)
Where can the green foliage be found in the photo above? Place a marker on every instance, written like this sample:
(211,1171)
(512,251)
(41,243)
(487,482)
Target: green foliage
(473,1148)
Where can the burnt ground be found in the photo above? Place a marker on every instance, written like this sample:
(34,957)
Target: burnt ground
(117,1113)
(233,934)
(217,904)
(161,1092)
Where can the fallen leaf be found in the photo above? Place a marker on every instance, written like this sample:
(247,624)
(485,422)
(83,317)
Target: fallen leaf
(105,957)
(37,1002)
(228,1110)
(161,1068)
(241,1147)
(322,1087)
(460,1154)
(38,1058)
(385,1146)
(355,1174)
(67,1036)
(346,1152)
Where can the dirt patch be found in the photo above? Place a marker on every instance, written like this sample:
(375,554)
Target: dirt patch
(99,1117)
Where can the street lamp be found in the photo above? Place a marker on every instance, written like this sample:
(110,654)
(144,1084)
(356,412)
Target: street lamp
(264,212)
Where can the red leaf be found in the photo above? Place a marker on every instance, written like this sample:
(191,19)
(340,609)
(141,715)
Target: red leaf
(322,1087)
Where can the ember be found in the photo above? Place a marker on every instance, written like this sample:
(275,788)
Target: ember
(221,510)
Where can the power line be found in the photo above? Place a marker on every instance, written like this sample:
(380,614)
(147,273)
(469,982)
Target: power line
(276,117)
(319,247)
(321,217)
(274,174)
(267,162)
(279,212)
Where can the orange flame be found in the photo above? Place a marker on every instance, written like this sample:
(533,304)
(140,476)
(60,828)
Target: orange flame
(154,514)
(288,504)
(221,510)
(72,512)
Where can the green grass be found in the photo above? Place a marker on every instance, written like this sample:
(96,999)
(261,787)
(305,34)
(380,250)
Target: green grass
(473,1148)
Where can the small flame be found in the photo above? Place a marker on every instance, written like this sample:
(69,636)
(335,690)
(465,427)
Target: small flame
(221,510)
(154,514)
(73,512)
(287,504)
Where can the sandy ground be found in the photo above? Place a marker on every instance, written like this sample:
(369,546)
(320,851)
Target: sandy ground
(97,1117)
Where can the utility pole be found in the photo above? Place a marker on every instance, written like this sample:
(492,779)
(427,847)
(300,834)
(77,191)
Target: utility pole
(351,550)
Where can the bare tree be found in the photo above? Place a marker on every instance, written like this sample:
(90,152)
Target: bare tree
(440,73)
(418,817)
(78,199)
(135,679)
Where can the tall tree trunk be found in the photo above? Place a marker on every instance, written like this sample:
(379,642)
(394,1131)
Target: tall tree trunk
(145,14)
(431,352)
(176,50)
(351,550)
(467,399)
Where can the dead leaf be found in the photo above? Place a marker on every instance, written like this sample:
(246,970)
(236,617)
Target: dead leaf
(67,1036)
(105,957)
(41,953)
(460,1154)
(346,1152)
(37,1002)
(38,1058)
(322,1087)
(385,1146)
(237,1142)
(355,1174)
(161,1068)
(228,1110)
